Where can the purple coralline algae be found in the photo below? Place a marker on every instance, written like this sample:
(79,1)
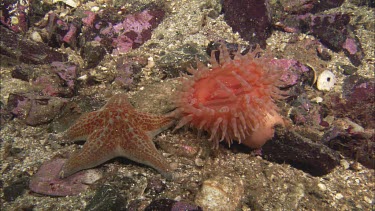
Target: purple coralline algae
(98,33)
(124,74)
(67,72)
(57,81)
(104,27)
(135,30)
(129,34)
(293,71)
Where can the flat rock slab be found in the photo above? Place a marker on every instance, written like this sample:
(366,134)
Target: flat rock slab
(46,181)
(27,51)
(300,152)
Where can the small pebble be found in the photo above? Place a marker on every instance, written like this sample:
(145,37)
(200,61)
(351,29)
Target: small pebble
(323,53)
(220,193)
(348,69)
(322,186)
(317,100)
(35,36)
(354,127)
(339,196)
(95,9)
(355,166)
(345,164)
(199,162)
(367,199)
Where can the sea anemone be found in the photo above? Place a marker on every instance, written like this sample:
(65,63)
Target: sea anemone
(232,100)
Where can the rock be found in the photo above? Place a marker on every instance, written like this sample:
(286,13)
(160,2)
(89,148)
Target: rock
(56,79)
(5,115)
(35,110)
(294,72)
(178,60)
(155,185)
(298,6)
(92,53)
(302,153)
(106,198)
(47,181)
(128,71)
(16,47)
(355,145)
(121,33)
(136,29)
(347,69)
(327,4)
(304,112)
(369,3)
(171,205)
(323,53)
(220,193)
(333,30)
(15,189)
(250,18)
(356,102)
(22,72)
(43,111)
(67,73)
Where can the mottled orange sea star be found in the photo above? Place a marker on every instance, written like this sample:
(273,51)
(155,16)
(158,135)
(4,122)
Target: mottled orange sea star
(117,130)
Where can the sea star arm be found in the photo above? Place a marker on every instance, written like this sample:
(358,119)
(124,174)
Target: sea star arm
(89,122)
(84,126)
(119,100)
(154,124)
(94,152)
(141,148)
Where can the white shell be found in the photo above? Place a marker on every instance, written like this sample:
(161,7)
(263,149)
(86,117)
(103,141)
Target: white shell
(326,80)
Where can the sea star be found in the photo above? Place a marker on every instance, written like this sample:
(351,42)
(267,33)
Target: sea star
(116,130)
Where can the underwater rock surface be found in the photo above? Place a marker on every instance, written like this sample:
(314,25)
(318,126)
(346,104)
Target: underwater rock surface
(323,160)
